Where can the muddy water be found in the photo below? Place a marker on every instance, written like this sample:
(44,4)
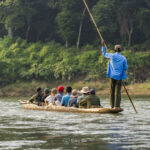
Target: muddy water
(27,129)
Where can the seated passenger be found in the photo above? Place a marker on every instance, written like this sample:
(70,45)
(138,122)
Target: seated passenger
(73,99)
(37,98)
(85,92)
(58,98)
(91,101)
(65,99)
(50,99)
(46,94)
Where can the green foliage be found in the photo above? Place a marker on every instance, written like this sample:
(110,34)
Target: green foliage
(104,13)
(120,21)
(38,27)
(68,19)
(20,60)
(144,20)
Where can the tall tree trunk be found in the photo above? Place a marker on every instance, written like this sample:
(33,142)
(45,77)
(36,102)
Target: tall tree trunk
(130,31)
(10,32)
(129,38)
(80,28)
(27,31)
(66,43)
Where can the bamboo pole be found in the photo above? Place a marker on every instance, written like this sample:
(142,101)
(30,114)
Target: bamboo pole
(92,18)
(100,35)
(129,97)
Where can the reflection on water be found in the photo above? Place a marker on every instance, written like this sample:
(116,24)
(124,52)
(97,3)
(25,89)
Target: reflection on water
(27,129)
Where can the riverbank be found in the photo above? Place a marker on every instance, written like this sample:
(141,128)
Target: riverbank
(26,89)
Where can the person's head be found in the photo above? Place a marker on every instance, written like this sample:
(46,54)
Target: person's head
(85,90)
(92,92)
(69,89)
(46,91)
(117,48)
(60,89)
(53,91)
(38,89)
(74,93)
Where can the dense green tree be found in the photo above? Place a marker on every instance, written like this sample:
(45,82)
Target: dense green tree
(10,16)
(126,18)
(68,20)
(144,19)
(105,16)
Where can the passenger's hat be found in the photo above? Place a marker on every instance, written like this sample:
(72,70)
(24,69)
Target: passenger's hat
(60,88)
(47,90)
(38,89)
(74,93)
(85,90)
(92,91)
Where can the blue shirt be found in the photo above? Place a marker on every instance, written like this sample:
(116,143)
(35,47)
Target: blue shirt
(65,99)
(59,97)
(117,65)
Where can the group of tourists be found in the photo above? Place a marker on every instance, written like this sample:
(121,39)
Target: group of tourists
(86,98)
(116,72)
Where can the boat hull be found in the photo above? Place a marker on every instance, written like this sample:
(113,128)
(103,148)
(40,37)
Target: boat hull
(70,109)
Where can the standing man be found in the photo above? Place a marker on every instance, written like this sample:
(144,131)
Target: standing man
(116,72)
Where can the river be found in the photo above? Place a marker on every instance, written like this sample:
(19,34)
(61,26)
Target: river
(27,129)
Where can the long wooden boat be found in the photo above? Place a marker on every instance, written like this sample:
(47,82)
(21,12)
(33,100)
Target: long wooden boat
(70,109)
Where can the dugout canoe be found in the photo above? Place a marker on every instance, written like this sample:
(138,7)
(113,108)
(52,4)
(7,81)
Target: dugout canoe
(69,109)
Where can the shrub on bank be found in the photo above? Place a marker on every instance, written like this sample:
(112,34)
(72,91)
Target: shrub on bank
(20,60)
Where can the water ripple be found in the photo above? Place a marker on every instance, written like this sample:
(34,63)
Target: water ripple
(27,129)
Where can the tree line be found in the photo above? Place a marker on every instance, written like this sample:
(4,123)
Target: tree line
(67,21)
(56,40)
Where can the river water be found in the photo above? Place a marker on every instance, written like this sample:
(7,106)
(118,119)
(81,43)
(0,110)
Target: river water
(27,129)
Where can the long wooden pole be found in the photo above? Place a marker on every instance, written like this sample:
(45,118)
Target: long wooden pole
(129,96)
(92,18)
(100,35)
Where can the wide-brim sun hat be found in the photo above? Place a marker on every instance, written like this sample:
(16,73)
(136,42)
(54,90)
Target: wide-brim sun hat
(85,90)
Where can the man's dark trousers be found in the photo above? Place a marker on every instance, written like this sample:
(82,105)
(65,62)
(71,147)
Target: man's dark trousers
(115,92)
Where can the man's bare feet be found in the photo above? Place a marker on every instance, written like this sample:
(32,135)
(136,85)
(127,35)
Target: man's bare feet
(118,108)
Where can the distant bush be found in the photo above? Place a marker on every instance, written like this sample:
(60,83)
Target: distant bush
(20,60)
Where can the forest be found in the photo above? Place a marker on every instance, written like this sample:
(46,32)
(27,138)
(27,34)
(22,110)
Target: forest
(56,39)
